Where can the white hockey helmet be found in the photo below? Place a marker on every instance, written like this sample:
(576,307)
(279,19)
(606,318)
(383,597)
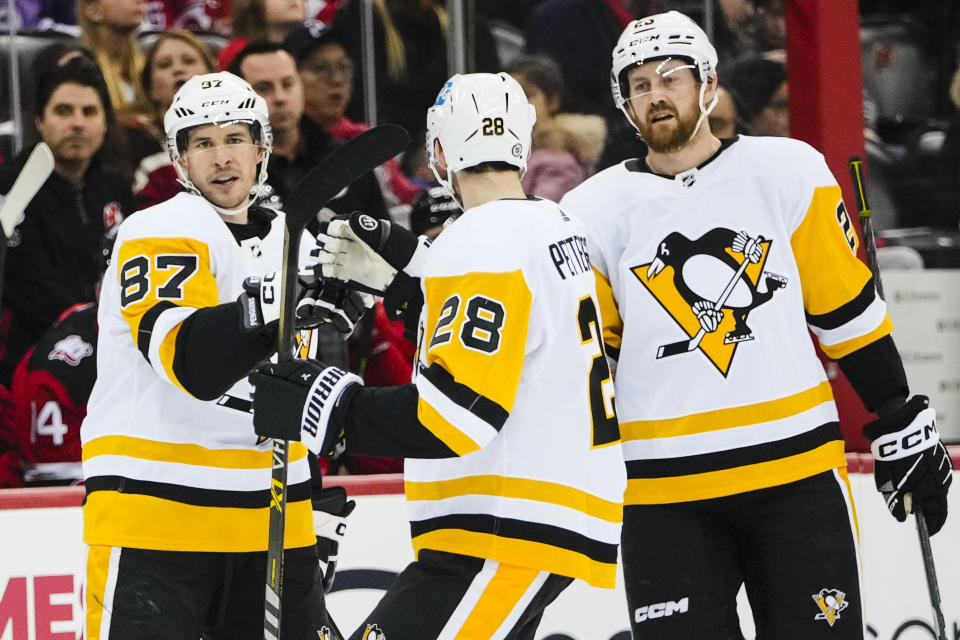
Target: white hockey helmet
(664,35)
(217,98)
(480,117)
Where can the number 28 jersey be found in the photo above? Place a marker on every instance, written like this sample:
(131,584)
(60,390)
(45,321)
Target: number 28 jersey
(511,376)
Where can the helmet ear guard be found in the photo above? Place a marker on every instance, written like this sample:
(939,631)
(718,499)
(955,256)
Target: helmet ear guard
(478,118)
(217,98)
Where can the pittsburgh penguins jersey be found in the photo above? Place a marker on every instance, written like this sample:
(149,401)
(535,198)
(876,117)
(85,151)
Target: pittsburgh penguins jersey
(710,283)
(511,377)
(164,469)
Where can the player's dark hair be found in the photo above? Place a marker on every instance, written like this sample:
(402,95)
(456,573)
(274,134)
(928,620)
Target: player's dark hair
(488,167)
(80,70)
(256,47)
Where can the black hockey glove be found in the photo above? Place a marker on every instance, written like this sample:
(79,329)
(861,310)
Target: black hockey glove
(260,301)
(330,511)
(908,457)
(303,400)
(333,302)
(368,252)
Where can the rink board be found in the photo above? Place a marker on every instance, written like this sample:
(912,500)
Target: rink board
(41,556)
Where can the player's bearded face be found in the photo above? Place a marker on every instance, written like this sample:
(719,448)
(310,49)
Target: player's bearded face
(221,160)
(664,104)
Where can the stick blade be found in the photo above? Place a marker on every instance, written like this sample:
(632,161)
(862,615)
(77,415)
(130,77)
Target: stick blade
(340,169)
(35,172)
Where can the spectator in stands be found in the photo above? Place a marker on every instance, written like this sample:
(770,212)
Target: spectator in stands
(173,58)
(52,262)
(298,141)
(579,35)
(260,20)
(723,119)
(326,72)
(566,146)
(410,40)
(108,28)
(759,90)
(195,15)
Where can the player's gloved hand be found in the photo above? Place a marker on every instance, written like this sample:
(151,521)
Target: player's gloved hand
(330,511)
(303,400)
(368,252)
(333,302)
(909,458)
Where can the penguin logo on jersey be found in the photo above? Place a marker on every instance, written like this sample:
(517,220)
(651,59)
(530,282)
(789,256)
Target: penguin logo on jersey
(324,633)
(831,603)
(373,632)
(709,286)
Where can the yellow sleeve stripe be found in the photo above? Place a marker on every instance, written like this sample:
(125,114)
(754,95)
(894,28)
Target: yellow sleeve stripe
(725,482)
(167,351)
(456,440)
(609,313)
(520,488)
(186,453)
(728,418)
(841,349)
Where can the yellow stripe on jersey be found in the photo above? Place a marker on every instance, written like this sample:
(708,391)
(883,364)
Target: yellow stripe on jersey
(609,313)
(728,418)
(456,440)
(523,553)
(476,328)
(847,347)
(167,351)
(725,482)
(186,453)
(520,488)
(499,598)
(830,273)
(154,523)
(171,270)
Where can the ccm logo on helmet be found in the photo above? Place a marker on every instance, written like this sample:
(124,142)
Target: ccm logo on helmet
(661,609)
(213,103)
(919,438)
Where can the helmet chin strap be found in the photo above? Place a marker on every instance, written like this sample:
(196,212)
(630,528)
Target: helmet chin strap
(447,183)
(704,110)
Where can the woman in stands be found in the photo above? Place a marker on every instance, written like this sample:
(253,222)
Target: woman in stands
(174,57)
(108,28)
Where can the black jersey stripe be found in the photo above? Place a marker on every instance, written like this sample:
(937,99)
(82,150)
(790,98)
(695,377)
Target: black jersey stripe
(463,396)
(145,330)
(847,312)
(520,530)
(193,495)
(733,458)
(611,351)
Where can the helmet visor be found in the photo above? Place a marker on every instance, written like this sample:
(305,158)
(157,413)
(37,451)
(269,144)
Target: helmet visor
(670,76)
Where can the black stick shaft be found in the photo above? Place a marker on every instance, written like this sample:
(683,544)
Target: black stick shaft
(870,247)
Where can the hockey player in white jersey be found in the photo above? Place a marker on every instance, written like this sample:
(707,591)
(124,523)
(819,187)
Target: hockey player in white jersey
(176,510)
(514,475)
(718,257)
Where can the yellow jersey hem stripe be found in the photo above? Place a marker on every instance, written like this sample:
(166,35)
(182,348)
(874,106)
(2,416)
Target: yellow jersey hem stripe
(523,553)
(728,418)
(519,488)
(186,453)
(726,482)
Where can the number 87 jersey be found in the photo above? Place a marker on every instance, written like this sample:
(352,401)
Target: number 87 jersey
(512,378)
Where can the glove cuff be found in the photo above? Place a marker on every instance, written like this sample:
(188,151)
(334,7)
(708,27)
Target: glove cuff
(321,422)
(895,420)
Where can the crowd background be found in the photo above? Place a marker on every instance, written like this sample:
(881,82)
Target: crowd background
(116,64)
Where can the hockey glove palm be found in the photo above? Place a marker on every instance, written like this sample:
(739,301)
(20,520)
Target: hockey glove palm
(303,400)
(332,302)
(330,511)
(260,301)
(909,458)
(368,253)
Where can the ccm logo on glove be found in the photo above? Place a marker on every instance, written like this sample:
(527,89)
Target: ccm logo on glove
(318,396)
(921,434)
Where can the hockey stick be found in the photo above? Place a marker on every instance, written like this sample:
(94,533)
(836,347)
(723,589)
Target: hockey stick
(333,174)
(870,248)
(36,170)
(685,346)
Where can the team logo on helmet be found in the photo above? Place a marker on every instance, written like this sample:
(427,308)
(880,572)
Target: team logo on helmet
(831,603)
(71,350)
